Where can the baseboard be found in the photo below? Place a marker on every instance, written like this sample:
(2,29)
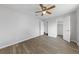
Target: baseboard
(77,43)
(53,35)
(16,42)
(73,41)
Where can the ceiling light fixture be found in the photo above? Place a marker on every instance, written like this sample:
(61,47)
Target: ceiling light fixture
(44,12)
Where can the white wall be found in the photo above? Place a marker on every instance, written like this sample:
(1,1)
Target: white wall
(73,25)
(52,27)
(77,26)
(16,27)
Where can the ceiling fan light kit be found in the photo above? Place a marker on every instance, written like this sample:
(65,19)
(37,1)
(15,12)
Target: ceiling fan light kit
(44,12)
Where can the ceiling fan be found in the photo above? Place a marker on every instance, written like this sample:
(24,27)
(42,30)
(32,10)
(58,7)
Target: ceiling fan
(45,9)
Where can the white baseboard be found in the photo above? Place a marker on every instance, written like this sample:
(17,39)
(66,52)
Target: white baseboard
(75,42)
(9,43)
(52,36)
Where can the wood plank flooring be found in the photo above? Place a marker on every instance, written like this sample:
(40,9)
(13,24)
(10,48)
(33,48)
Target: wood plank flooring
(42,45)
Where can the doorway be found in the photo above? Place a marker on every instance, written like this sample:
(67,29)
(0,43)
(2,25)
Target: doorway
(60,28)
(46,28)
(60,31)
(41,28)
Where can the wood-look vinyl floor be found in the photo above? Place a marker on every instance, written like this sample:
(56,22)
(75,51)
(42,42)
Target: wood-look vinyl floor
(42,45)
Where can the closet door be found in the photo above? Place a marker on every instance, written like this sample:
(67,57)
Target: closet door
(66,29)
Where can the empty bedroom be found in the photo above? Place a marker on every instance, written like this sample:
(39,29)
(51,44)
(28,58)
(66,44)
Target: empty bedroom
(39,28)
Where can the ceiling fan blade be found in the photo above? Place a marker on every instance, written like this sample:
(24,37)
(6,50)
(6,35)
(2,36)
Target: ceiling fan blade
(41,5)
(48,12)
(51,7)
(38,11)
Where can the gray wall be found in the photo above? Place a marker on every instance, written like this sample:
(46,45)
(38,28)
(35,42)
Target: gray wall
(77,14)
(16,27)
(73,21)
(52,27)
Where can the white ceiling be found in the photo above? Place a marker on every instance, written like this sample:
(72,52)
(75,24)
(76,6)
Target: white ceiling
(30,9)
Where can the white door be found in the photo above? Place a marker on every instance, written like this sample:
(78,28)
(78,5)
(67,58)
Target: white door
(66,29)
